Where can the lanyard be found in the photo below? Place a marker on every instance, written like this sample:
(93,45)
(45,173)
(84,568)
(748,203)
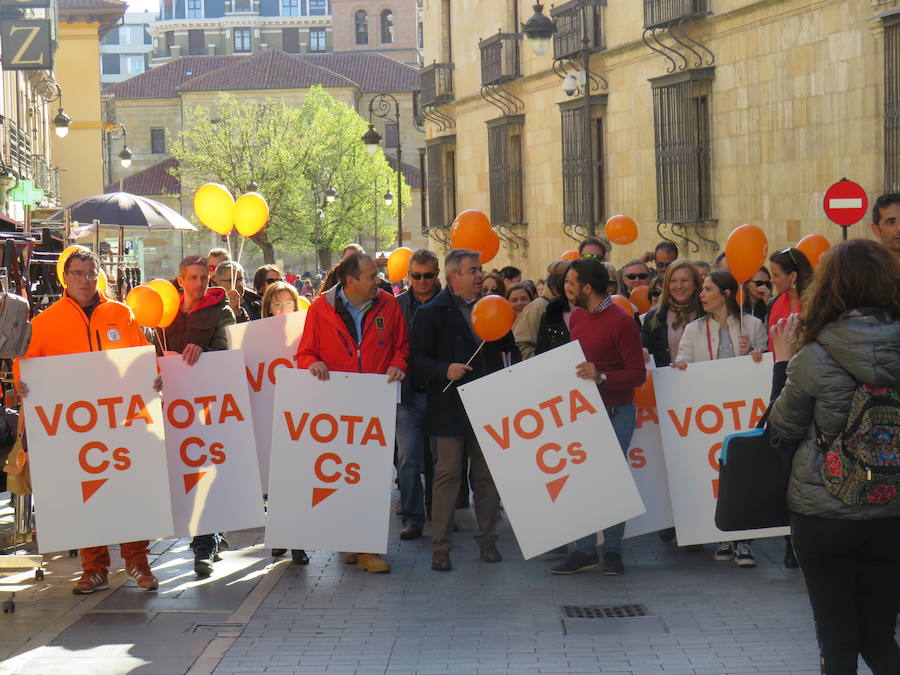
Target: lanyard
(709,341)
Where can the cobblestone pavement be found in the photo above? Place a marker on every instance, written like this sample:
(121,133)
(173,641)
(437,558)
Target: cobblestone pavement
(253,616)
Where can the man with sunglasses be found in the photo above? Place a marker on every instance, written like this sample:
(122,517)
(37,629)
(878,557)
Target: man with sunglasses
(593,248)
(635,274)
(663,255)
(424,285)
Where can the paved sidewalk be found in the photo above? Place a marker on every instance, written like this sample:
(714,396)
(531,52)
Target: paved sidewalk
(258,616)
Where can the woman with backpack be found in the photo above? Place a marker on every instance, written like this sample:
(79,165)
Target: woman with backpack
(845,479)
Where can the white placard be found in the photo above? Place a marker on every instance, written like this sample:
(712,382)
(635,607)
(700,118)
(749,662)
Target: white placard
(269,345)
(648,467)
(96,448)
(211,449)
(332,462)
(698,408)
(551,449)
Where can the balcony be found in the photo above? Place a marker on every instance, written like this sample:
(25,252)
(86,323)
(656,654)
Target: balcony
(567,40)
(437,84)
(45,177)
(664,13)
(500,58)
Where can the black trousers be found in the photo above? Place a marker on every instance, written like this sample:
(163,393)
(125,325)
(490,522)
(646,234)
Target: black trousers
(852,574)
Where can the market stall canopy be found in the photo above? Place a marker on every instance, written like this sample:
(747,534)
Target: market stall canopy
(123,209)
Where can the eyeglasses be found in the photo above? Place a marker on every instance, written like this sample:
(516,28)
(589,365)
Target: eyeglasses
(271,280)
(420,275)
(760,282)
(89,276)
(641,276)
(279,305)
(592,256)
(790,252)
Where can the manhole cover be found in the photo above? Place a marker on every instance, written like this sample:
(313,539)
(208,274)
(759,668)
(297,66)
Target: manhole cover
(610,620)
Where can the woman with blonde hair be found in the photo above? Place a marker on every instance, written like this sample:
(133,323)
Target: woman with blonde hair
(280,298)
(678,305)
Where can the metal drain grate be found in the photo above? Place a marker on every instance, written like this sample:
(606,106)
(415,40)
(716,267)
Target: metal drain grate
(604,611)
(633,619)
(220,629)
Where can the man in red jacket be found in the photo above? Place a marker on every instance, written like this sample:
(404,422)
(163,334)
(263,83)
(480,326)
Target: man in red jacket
(355,327)
(611,341)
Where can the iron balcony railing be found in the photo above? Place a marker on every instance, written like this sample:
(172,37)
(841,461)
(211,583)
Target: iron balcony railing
(437,84)
(662,13)
(500,58)
(569,35)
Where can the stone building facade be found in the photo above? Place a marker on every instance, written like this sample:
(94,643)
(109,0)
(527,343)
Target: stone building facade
(704,114)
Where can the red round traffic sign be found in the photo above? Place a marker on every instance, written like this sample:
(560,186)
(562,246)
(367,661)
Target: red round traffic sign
(845,203)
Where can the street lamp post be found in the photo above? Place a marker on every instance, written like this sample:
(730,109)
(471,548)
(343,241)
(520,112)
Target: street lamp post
(116,131)
(49,90)
(388,200)
(381,106)
(539,30)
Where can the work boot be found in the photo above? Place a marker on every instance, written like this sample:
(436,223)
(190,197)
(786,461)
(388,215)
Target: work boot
(372,562)
(350,558)
(91,580)
(140,573)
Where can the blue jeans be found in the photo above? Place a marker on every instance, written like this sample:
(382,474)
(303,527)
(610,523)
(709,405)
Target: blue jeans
(623,420)
(411,440)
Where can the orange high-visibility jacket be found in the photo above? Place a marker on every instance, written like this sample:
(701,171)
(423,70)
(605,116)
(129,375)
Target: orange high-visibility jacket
(64,328)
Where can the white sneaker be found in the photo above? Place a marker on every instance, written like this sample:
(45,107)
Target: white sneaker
(743,556)
(725,551)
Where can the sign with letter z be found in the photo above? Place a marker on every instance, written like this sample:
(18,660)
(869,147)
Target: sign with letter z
(26,44)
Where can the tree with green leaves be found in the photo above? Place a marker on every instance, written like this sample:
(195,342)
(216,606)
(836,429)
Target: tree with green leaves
(294,155)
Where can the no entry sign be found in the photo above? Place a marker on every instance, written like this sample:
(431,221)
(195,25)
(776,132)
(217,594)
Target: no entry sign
(845,203)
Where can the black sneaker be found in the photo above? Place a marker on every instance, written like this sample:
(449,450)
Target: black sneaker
(576,562)
(612,564)
(299,557)
(667,535)
(203,563)
(724,552)
(743,555)
(278,552)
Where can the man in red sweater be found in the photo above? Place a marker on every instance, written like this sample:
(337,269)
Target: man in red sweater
(355,327)
(611,341)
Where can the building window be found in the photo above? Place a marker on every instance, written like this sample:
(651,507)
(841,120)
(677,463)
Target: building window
(158,141)
(111,64)
(317,40)
(420,35)
(148,39)
(681,129)
(290,40)
(243,5)
(195,9)
(111,38)
(135,65)
(290,7)
(318,7)
(505,163)
(387,27)
(391,135)
(361,24)
(892,108)
(196,43)
(581,181)
(440,157)
(241,40)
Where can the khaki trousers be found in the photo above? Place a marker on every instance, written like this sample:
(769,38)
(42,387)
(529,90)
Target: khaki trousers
(450,454)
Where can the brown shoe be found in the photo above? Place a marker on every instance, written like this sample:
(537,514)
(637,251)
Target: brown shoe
(489,553)
(91,580)
(440,561)
(142,576)
(410,532)
(372,562)
(350,558)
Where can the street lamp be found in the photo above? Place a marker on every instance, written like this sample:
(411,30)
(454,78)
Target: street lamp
(330,195)
(61,123)
(539,29)
(115,131)
(387,107)
(125,157)
(388,198)
(49,90)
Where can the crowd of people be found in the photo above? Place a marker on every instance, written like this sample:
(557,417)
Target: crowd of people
(829,331)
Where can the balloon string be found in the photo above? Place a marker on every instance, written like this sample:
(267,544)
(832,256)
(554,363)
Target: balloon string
(469,362)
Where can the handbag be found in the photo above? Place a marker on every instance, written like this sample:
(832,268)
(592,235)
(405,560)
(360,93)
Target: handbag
(18,481)
(754,470)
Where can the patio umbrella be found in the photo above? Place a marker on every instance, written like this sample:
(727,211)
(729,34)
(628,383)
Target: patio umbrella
(123,209)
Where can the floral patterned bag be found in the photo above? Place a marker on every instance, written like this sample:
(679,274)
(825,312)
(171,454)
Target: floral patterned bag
(862,465)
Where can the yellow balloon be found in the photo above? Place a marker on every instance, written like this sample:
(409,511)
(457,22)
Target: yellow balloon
(251,213)
(214,206)
(102,282)
(61,262)
(303,304)
(170,298)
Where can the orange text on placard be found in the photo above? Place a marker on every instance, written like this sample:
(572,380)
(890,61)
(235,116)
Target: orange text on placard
(267,370)
(326,428)
(182,413)
(710,418)
(528,423)
(83,416)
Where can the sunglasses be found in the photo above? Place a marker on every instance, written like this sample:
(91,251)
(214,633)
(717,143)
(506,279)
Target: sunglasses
(790,252)
(641,276)
(661,265)
(760,282)
(426,275)
(592,256)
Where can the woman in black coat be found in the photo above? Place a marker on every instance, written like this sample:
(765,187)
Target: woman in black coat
(678,305)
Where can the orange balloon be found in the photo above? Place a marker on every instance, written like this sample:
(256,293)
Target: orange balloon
(645,395)
(624,303)
(492,318)
(470,230)
(170,299)
(146,304)
(640,298)
(813,246)
(570,255)
(398,263)
(621,230)
(491,248)
(746,251)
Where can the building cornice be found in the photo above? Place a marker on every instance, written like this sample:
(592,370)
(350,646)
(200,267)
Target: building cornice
(238,21)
